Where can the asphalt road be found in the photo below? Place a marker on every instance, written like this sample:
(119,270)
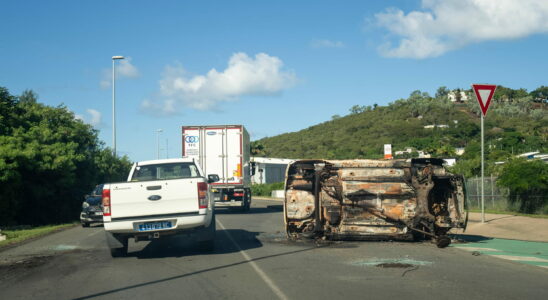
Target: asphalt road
(253,260)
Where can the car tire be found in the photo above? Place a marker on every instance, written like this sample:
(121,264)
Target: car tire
(120,252)
(85,224)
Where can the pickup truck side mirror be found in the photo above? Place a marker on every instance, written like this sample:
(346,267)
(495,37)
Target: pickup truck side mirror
(212,178)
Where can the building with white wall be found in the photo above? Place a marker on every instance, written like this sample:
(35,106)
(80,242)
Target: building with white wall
(269,170)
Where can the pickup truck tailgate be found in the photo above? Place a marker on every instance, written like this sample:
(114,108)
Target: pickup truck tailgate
(160,197)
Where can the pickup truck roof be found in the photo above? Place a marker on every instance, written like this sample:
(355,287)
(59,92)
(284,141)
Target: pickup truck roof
(164,161)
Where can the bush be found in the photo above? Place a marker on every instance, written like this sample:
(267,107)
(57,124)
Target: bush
(266,189)
(48,161)
(527,181)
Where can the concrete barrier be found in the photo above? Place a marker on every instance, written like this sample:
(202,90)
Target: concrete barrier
(278,194)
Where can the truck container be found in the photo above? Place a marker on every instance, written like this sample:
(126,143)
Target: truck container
(373,199)
(222,150)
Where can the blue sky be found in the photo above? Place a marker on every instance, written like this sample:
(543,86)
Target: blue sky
(276,66)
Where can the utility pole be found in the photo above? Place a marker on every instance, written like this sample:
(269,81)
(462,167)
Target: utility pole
(158,131)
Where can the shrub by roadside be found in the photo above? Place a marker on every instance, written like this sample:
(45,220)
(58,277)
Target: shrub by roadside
(266,189)
(18,234)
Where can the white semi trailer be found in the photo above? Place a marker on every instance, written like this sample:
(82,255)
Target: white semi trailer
(222,150)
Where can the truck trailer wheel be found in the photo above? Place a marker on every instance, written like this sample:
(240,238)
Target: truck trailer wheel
(246,206)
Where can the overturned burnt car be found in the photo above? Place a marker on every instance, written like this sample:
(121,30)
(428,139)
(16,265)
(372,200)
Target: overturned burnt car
(373,199)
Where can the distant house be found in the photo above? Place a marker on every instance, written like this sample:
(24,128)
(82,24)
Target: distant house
(454,96)
(409,150)
(438,126)
(269,170)
(529,156)
(450,161)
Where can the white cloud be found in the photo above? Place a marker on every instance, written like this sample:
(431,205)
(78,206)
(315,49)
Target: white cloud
(94,117)
(445,25)
(262,75)
(326,44)
(124,69)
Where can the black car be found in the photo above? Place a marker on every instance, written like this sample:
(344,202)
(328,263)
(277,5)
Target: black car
(92,208)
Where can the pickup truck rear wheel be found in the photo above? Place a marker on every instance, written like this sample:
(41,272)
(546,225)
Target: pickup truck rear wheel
(120,252)
(85,224)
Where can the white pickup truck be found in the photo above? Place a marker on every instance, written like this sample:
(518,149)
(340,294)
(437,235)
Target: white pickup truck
(160,198)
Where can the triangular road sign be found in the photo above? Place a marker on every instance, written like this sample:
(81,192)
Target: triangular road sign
(484,94)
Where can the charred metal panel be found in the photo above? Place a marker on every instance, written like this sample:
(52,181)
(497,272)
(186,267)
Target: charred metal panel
(300,204)
(365,199)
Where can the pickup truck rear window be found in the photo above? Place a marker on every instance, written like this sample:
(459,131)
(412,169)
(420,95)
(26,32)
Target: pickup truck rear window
(165,172)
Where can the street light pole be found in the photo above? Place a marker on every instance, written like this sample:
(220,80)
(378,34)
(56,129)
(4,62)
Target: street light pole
(114,58)
(158,131)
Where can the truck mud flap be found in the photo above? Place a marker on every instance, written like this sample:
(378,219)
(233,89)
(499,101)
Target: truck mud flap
(113,241)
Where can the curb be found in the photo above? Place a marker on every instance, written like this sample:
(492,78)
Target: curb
(267,198)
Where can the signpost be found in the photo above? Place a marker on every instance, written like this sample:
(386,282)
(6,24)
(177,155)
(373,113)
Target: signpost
(388,151)
(484,94)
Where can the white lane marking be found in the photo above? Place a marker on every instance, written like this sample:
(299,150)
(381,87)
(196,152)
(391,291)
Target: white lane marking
(478,249)
(521,258)
(261,273)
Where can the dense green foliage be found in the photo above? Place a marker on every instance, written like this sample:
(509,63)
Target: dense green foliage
(528,184)
(266,189)
(48,161)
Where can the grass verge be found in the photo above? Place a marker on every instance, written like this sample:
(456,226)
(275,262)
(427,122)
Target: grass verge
(507,212)
(17,235)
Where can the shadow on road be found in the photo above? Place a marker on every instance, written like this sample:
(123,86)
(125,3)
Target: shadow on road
(226,266)
(253,210)
(179,246)
(468,238)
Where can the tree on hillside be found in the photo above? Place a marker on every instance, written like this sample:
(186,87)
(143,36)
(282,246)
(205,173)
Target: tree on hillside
(540,93)
(257,148)
(504,94)
(441,92)
(28,96)
(356,109)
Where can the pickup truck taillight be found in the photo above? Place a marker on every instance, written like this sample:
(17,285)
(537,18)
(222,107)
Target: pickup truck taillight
(202,195)
(106,202)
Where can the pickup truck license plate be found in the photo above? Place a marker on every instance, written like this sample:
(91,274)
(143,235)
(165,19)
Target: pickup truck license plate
(154,225)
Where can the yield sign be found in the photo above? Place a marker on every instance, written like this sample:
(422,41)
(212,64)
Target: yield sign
(484,94)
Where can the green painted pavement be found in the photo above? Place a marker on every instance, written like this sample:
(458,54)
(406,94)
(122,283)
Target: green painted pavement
(532,253)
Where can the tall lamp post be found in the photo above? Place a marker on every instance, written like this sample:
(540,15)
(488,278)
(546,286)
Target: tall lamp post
(114,58)
(158,131)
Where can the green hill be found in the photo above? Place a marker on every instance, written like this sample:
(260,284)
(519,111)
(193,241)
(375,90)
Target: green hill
(517,122)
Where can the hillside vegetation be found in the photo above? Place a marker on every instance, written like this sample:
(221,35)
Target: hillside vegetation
(517,122)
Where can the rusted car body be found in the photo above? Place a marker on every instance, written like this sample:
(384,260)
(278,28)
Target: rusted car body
(373,199)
